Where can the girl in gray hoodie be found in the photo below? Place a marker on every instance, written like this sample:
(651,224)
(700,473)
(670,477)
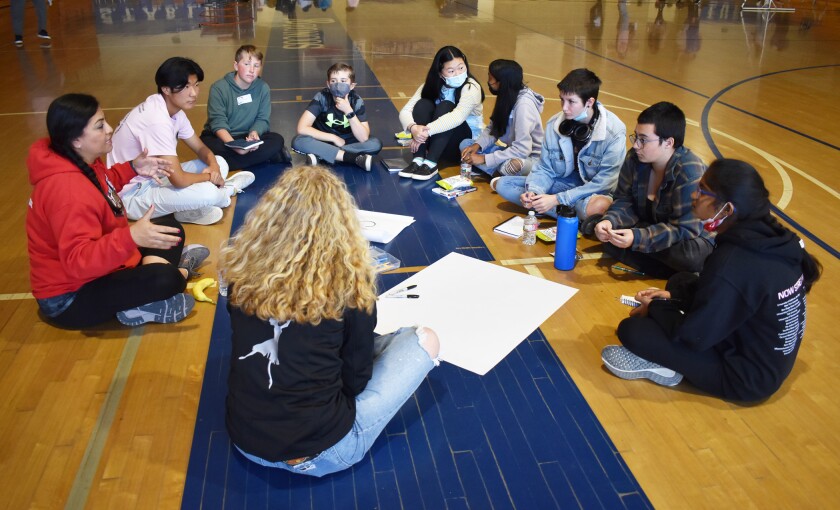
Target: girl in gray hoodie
(512,142)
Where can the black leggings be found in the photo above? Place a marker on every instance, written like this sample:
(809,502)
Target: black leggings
(99,300)
(646,338)
(442,147)
(272,146)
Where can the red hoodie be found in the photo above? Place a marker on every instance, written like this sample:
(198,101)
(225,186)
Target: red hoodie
(74,236)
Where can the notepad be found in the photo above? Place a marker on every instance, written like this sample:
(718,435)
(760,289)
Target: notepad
(629,301)
(511,227)
(243,144)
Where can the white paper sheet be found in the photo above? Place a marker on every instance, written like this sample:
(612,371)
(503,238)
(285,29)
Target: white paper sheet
(480,311)
(380,227)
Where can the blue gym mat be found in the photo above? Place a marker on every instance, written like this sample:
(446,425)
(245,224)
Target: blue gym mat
(522,436)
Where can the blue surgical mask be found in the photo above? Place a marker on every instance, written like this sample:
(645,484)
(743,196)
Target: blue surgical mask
(582,116)
(456,81)
(339,89)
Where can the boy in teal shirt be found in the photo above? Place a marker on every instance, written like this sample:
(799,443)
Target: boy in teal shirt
(239,108)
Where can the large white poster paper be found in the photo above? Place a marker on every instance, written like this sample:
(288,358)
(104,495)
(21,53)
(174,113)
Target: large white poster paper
(380,227)
(480,311)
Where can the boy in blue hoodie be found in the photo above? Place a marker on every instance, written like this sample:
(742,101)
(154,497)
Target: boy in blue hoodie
(239,108)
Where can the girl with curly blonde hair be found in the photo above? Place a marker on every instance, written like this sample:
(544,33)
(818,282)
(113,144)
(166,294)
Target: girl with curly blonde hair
(310,385)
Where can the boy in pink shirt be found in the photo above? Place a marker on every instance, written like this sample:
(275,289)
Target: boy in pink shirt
(198,189)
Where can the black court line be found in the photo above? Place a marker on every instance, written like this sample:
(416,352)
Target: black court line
(704,126)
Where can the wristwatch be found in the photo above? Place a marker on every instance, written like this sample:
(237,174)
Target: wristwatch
(350,115)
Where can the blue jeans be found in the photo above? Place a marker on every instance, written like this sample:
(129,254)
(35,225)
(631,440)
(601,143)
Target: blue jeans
(399,366)
(327,151)
(511,187)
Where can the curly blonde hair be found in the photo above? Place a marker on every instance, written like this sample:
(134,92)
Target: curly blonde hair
(301,255)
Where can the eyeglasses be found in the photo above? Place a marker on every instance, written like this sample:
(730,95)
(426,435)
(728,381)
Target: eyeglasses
(642,141)
(707,193)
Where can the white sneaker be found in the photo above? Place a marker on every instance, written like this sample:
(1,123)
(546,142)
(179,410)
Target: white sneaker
(239,182)
(202,216)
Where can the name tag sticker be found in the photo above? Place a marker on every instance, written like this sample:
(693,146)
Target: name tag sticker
(243,99)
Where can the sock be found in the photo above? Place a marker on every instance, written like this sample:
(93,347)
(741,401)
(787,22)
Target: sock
(419,161)
(429,163)
(349,157)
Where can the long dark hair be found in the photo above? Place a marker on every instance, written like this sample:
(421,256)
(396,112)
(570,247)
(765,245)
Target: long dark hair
(67,117)
(434,83)
(739,183)
(509,75)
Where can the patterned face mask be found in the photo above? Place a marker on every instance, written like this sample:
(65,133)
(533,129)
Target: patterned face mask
(339,89)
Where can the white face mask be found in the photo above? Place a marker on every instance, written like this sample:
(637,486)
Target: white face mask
(456,81)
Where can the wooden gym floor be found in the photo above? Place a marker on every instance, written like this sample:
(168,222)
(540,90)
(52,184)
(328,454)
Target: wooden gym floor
(104,418)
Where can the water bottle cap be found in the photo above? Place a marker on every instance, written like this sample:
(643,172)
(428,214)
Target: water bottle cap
(565,211)
(530,213)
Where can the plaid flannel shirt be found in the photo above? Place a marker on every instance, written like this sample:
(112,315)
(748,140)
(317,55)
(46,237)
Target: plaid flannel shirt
(673,220)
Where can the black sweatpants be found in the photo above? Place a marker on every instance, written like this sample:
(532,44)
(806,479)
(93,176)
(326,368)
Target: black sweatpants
(442,148)
(272,146)
(99,300)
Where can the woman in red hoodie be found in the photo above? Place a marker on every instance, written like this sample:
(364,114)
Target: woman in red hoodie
(87,264)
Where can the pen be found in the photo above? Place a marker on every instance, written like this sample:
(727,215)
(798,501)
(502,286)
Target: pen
(405,296)
(628,270)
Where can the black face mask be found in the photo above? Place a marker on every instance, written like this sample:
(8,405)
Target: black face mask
(492,91)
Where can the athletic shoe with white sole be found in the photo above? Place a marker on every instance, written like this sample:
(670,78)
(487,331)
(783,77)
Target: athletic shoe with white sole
(364,161)
(201,216)
(626,365)
(424,172)
(169,310)
(311,159)
(239,182)
(191,257)
(409,170)
(493,182)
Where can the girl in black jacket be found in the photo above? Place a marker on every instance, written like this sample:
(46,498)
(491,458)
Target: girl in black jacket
(733,330)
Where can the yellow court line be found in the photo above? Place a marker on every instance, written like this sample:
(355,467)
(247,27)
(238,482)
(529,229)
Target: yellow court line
(13,297)
(99,436)
(534,271)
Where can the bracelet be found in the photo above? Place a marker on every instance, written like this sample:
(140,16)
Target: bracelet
(131,164)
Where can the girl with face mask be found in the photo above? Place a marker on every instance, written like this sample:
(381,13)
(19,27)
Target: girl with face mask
(443,111)
(511,144)
(735,329)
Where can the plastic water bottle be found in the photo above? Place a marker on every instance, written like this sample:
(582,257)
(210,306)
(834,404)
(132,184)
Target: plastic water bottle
(529,230)
(565,248)
(466,172)
(223,286)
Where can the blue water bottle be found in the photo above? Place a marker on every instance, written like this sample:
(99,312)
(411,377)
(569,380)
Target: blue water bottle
(565,248)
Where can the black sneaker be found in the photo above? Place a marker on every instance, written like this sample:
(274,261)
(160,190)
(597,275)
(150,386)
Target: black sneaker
(19,41)
(587,227)
(409,170)
(364,161)
(281,156)
(43,34)
(424,173)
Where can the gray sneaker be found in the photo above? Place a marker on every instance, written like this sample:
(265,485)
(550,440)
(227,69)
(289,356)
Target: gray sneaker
(239,182)
(626,365)
(202,216)
(191,257)
(169,310)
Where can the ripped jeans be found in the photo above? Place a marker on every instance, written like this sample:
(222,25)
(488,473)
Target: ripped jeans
(399,366)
